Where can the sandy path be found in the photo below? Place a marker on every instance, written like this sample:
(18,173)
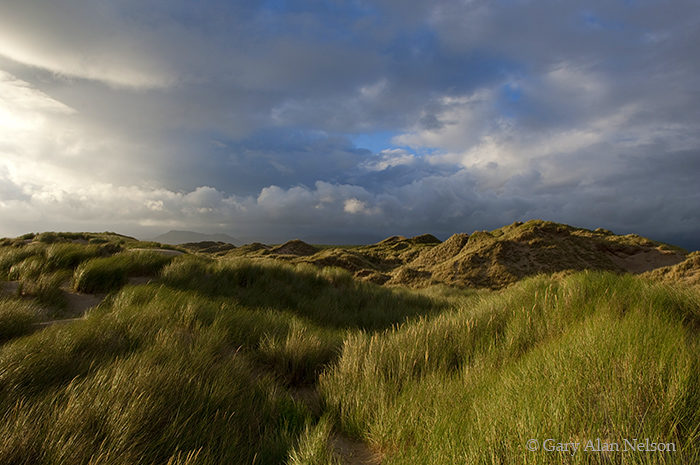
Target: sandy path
(78,303)
(353,452)
(349,451)
(9,287)
(81,303)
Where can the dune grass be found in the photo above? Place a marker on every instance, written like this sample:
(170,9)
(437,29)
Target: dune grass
(42,270)
(584,357)
(157,376)
(102,275)
(201,366)
(16,318)
(328,296)
(11,256)
(214,360)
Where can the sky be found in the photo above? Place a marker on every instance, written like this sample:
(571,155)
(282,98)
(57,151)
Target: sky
(348,120)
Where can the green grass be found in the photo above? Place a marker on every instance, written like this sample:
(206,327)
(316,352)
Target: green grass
(69,255)
(11,256)
(200,367)
(582,357)
(16,318)
(102,275)
(46,265)
(328,296)
(243,361)
(41,271)
(153,376)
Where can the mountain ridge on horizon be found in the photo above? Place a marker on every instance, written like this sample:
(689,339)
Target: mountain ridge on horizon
(175,237)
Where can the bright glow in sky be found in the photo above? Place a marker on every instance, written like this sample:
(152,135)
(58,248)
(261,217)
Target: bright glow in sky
(349,118)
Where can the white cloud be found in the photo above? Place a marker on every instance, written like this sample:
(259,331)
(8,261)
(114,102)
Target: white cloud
(354,206)
(18,100)
(389,158)
(31,124)
(44,141)
(373,91)
(80,39)
(359,207)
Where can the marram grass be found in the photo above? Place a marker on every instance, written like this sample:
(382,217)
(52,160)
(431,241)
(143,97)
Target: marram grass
(16,318)
(155,376)
(102,275)
(587,357)
(208,364)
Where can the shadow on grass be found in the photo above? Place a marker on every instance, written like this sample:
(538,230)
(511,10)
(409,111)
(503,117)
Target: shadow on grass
(199,368)
(329,297)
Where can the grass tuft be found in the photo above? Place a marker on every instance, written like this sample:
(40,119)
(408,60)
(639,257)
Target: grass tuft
(102,275)
(254,360)
(16,318)
(577,357)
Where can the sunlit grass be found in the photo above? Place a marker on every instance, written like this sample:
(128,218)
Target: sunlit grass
(581,357)
(254,361)
(102,275)
(153,374)
(201,368)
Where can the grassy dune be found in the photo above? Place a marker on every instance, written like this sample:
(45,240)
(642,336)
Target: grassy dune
(575,358)
(253,361)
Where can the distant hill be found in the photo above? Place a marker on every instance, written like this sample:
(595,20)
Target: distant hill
(484,259)
(174,237)
(501,257)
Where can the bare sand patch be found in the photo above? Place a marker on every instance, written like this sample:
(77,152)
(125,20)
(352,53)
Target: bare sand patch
(78,303)
(647,260)
(10,287)
(352,452)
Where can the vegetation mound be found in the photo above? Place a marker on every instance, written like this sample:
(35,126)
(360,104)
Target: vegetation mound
(271,359)
(392,240)
(577,358)
(256,248)
(208,247)
(686,272)
(485,259)
(502,257)
(295,247)
(102,275)
(444,252)
(49,268)
(425,239)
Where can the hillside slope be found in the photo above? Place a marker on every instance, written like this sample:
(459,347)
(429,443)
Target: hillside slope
(499,258)
(484,259)
(246,358)
(686,272)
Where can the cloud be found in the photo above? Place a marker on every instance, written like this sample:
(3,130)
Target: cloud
(389,158)
(242,115)
(80,39)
